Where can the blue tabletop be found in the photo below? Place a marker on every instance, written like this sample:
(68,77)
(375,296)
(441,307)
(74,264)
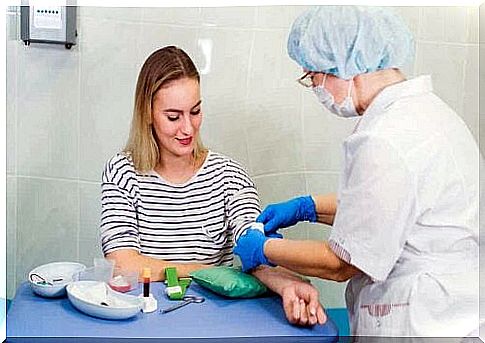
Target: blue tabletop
(33,318)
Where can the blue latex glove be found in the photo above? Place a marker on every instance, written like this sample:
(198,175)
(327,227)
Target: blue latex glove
(250,249)
(284,214)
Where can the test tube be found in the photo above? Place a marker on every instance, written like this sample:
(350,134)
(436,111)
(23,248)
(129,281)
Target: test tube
(146,275)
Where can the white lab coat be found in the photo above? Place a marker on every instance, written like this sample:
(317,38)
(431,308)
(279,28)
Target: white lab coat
(408,217)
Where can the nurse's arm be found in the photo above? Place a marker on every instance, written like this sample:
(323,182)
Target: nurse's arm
(326,207)
(132,260)
(312,258)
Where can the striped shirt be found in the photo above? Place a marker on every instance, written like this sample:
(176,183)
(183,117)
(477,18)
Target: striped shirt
(194,222)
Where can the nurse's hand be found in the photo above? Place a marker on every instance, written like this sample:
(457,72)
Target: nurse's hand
(284,214)
(250,249)
(301,304)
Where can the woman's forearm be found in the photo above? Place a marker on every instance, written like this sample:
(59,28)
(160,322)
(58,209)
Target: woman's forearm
(326,207)
(132,260)
(275,278)
(312,258)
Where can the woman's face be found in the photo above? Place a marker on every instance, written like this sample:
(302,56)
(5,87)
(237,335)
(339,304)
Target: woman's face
(177,117)
(337,87)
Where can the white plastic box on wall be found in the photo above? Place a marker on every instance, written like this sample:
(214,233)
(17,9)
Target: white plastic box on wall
(48,24)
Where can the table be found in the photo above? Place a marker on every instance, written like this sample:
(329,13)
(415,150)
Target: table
(32,318)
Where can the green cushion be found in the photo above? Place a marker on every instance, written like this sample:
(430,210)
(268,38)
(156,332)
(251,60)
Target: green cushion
(229,281)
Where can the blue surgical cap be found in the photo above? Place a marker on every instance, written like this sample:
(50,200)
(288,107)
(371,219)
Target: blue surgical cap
(349,40)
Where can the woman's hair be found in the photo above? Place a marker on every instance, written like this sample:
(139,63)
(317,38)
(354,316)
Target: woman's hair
(162,66)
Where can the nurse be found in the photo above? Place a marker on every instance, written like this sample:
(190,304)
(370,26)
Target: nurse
(405,217)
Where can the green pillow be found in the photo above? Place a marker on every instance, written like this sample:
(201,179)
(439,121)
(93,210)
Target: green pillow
(228,281)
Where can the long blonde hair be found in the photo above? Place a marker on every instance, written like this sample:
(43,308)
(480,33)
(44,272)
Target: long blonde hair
(161,67)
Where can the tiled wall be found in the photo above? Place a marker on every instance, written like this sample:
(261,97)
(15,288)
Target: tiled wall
(69,111)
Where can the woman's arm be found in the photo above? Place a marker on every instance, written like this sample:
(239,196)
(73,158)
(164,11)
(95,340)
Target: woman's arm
(300,298)
(326,207)
(132,260)
(312,258)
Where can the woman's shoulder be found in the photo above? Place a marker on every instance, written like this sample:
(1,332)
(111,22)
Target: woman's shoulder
(119,165)
(221,160)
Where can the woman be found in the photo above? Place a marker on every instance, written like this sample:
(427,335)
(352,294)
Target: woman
(405,218)
(168,201)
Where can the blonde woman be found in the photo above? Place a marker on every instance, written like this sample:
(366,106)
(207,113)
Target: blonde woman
(169,201)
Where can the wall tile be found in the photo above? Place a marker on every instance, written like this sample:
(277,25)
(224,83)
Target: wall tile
(274,132)
(186,16)
(11,235)
(154,36)
(279,187)
(471,90)
(271,68)
(108,81)
(456,24)
(432,24)
(482,97)
(280,17)
(47,223)
(89,219)
(225,134)
(481,24)
(323,134)
(11,99)
(222,82)
(47,108)
(411,15)
(445,63)
(133,14)
(332,294)
(322,183)
(231,16)
(473,24)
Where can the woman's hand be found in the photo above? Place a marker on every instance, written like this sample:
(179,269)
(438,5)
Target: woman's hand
(301,304)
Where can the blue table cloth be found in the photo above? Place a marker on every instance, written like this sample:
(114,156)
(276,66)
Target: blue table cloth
(32,318)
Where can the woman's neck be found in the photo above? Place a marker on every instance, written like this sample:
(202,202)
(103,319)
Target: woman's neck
(368,86)
(176,169)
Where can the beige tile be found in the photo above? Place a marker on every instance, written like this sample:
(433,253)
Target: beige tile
(47,223)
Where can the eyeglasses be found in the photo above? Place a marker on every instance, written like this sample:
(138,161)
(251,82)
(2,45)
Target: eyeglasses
(306,80)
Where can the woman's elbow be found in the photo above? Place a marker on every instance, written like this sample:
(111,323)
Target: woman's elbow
(342,273)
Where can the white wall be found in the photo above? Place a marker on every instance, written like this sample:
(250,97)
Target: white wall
(69,111)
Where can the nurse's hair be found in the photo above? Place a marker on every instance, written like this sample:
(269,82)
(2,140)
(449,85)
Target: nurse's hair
(161,67)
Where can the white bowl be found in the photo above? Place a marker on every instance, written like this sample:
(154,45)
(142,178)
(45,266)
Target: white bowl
(57,275)
(88,296)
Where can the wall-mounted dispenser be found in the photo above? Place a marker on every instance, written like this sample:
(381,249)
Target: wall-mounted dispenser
(48,24)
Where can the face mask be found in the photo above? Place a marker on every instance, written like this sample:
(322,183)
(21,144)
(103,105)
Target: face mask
(345,109)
